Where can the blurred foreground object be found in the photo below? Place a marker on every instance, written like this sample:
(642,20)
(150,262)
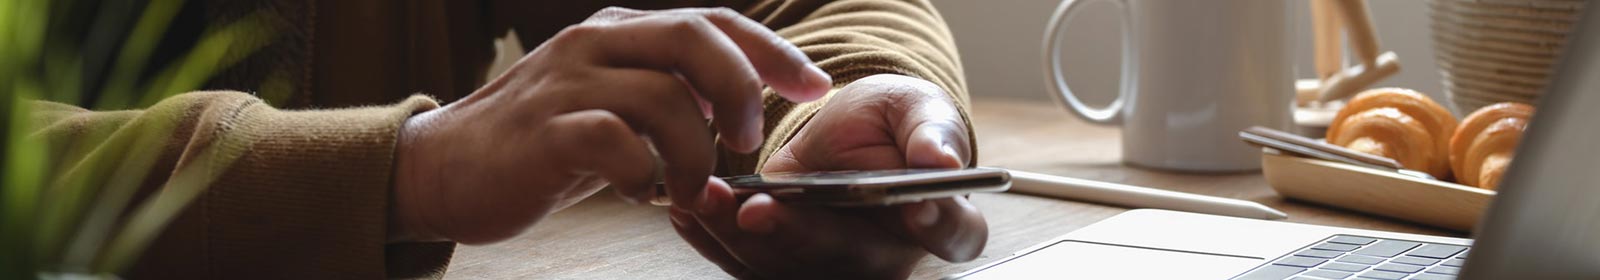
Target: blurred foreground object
(54,224)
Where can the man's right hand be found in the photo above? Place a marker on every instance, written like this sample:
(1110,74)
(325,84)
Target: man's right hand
(582,110)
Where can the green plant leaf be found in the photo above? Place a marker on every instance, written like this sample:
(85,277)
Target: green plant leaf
(119,91)
(69,221)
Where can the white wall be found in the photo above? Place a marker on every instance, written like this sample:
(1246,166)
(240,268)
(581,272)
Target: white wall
(1000,45)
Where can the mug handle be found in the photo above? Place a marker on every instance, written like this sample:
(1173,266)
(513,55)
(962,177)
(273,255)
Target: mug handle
(1111,114)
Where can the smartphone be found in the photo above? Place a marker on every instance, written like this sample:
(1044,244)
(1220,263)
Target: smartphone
(863,188)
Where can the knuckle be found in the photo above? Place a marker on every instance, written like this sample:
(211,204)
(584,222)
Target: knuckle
(607,127)
(578,32)
(617,10)
(590,131)
(612,13)
(689,26)
(588,127)
(722,13)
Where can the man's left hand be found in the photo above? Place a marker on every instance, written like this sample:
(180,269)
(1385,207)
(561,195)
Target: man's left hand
(878,122)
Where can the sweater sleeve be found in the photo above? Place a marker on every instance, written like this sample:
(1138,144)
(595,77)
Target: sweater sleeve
(853,39)
(291,194)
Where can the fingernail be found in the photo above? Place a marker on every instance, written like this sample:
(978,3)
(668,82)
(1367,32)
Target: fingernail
(943,155)
(822,76)
(659,197)
(816,72)
(949,151)
(926,214)
(813,76)
(705,108)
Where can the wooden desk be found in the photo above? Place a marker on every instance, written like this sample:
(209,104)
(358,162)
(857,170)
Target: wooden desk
(604,238)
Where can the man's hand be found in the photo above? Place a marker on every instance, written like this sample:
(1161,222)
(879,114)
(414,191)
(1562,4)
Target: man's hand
(583,109)
(879,122)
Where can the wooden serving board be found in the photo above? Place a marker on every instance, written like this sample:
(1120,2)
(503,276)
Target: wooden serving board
(1432,202)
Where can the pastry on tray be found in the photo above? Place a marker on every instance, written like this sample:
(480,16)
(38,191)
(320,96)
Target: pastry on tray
(1421,135)
(1400,124)
(1482,147)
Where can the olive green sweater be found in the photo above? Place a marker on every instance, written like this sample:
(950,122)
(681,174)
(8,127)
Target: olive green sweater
(303,193)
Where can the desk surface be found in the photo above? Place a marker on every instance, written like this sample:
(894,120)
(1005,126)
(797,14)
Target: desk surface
(604,238)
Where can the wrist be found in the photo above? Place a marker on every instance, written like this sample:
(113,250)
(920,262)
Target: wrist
(414,177)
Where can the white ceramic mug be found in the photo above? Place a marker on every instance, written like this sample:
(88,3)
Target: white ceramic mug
(1194,73)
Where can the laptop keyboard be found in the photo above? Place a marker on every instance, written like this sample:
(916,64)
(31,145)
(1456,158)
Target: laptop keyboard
(1356,257)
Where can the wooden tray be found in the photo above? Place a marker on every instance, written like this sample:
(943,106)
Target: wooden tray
(1437,203)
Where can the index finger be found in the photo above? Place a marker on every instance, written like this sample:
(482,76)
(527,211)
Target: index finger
(781,65)
(723,56)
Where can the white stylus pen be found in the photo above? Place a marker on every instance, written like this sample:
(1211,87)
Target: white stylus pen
(1136,197)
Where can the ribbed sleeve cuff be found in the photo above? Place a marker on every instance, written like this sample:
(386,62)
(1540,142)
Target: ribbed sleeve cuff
(308,196)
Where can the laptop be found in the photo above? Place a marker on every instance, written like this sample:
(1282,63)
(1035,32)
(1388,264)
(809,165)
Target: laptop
(1543,224)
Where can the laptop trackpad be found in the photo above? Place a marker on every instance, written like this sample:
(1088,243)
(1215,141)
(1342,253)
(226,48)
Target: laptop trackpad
(1069,259)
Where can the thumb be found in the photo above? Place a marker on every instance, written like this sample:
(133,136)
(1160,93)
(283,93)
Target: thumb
(935,145)
(933,132)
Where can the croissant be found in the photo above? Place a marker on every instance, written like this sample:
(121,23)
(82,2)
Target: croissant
(1400,124)
(1482,147)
